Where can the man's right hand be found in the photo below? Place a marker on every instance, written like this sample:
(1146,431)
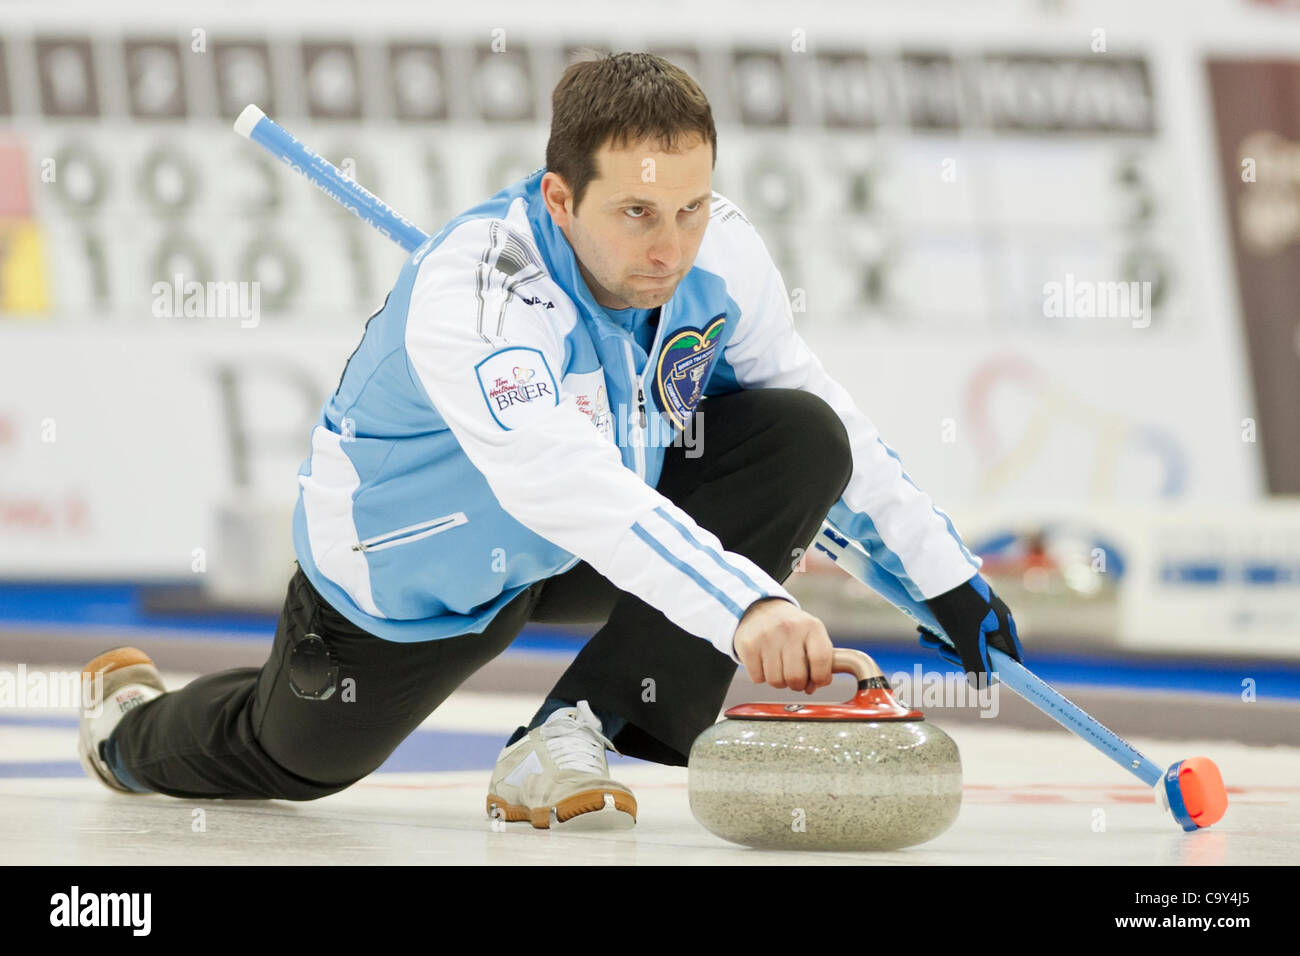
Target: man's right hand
(784,646)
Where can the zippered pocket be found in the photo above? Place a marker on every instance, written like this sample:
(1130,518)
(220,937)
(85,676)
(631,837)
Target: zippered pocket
(412,532)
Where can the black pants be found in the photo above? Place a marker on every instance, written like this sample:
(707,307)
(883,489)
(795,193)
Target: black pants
(773,462)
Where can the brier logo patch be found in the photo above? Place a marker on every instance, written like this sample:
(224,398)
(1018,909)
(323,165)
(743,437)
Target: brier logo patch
(517,384)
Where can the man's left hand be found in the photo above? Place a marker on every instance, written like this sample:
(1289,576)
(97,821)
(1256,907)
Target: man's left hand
(975,619)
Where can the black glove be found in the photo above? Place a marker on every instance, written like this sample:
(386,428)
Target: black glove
(975,619)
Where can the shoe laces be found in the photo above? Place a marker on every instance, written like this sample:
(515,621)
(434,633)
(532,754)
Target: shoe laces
(573,736)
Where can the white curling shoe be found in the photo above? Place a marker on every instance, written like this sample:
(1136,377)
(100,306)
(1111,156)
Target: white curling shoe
(557,774)
(129,680)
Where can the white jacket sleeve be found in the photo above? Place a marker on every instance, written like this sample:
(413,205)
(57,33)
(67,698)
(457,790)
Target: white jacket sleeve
(491,365)
(896,522)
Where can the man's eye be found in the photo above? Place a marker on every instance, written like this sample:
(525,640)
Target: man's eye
(693,207)
(641,208)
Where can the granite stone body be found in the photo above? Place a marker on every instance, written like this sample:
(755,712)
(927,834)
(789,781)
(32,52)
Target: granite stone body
(825,784)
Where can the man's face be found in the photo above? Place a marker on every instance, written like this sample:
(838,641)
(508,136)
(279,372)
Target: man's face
(641,220)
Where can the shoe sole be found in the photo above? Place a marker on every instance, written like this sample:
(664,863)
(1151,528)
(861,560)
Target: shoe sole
(130,665)
(586,810)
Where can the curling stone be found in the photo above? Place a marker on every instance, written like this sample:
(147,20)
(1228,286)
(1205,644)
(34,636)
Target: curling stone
(867,774)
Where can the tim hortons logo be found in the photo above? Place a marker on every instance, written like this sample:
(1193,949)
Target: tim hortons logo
(595,407)
(521,391)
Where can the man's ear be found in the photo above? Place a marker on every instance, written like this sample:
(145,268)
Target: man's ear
(556,193)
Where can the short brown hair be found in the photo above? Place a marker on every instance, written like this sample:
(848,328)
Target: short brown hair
(621,98)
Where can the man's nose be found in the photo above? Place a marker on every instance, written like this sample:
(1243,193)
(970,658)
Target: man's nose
(666,252)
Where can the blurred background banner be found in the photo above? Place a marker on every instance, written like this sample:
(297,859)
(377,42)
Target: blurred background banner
(1257,109)
(1020,233)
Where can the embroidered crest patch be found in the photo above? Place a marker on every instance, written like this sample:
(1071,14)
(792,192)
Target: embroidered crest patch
(683,369)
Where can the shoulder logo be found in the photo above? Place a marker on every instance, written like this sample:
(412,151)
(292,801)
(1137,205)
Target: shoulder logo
(590,397)
(517,385)
(683,370)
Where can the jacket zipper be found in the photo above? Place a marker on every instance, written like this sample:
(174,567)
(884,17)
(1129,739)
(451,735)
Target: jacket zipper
(638,447)
(412,532)
(654,344)
(642,419)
